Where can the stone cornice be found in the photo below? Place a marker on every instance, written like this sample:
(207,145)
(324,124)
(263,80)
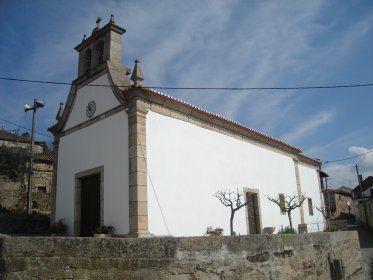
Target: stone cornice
(99,33)
(94,120)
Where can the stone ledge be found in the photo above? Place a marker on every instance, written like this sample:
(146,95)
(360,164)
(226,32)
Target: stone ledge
(282,256)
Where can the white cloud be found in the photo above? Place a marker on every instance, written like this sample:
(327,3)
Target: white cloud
(309,126)
(366,160)
(341,173)
(207,43)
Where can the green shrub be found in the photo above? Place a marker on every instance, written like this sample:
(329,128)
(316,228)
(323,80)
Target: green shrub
(13,162)
(104,230)
(331,229)
(287,230)
(59,228)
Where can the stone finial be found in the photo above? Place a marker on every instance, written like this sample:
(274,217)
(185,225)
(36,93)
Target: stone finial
(60,111)
(137,75)
(97,28)
(112,19)
(98,22)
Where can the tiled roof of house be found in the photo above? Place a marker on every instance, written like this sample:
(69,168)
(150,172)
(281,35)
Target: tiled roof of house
(337,191)
(193,107)
(7,136)
(365,184)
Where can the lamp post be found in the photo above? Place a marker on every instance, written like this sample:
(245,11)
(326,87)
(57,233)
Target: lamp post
(37,104)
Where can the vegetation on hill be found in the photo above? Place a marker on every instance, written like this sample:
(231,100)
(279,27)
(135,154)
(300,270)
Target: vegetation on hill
(13,162)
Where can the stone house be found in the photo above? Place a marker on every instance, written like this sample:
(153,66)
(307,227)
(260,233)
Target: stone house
(363,202)
(13,186)
(148,164)
(341,203)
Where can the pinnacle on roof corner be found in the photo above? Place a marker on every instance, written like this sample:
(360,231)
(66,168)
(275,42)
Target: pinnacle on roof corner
(112,19)
(97,28)
(137,75)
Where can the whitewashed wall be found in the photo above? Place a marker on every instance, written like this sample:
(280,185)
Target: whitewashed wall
(188,164)
(104,143)
(103,96)
(310,187)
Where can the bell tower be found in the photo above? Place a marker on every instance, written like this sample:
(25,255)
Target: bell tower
(103,47)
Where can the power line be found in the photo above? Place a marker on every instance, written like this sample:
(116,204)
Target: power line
(332,179)
(338,176)
(12,123)
(194,88)
(343,159)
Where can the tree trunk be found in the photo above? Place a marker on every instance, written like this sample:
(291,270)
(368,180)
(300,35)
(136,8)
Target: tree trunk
(290,222)
(231,222)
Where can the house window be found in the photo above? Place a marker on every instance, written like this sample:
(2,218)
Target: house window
(281,198)
(310,207)
(42,189)
(35,204)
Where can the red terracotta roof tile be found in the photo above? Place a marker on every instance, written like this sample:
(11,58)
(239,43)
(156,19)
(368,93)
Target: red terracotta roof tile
(4,135)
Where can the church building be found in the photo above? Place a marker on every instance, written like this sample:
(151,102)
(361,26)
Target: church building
(148,164)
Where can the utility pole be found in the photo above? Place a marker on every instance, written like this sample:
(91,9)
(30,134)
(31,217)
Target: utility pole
(327,191)
(359,178)
(37,104)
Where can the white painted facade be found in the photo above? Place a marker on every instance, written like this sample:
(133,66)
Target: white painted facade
(187,164)
(309,180)
(182,164)
(103,144)
(103,96)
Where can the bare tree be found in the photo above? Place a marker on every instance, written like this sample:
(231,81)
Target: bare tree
(288,204)
(233,200)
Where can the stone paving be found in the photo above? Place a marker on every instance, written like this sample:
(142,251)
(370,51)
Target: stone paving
(366,246)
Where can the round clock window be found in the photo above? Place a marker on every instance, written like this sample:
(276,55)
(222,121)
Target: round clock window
(91,109)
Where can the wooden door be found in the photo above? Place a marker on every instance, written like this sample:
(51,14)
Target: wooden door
(90,205)
(253,213)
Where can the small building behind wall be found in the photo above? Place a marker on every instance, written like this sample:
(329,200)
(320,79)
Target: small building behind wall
(341,203)
(14,160)
(149,164)
(363,202)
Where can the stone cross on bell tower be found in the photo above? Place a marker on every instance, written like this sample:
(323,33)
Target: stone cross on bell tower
(102,46)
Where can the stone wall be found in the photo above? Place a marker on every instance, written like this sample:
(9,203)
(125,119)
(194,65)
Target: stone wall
(342,208)
(42,186)
(13,193)
(303,256)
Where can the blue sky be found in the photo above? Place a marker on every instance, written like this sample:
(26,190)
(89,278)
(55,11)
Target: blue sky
(202,43)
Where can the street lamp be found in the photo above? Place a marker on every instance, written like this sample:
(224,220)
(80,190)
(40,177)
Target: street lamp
(37,104)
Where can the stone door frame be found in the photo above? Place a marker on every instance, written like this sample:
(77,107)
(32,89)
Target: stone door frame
(256,191)
(77,196)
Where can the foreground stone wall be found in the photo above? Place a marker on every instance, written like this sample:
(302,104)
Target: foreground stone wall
(303,256)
